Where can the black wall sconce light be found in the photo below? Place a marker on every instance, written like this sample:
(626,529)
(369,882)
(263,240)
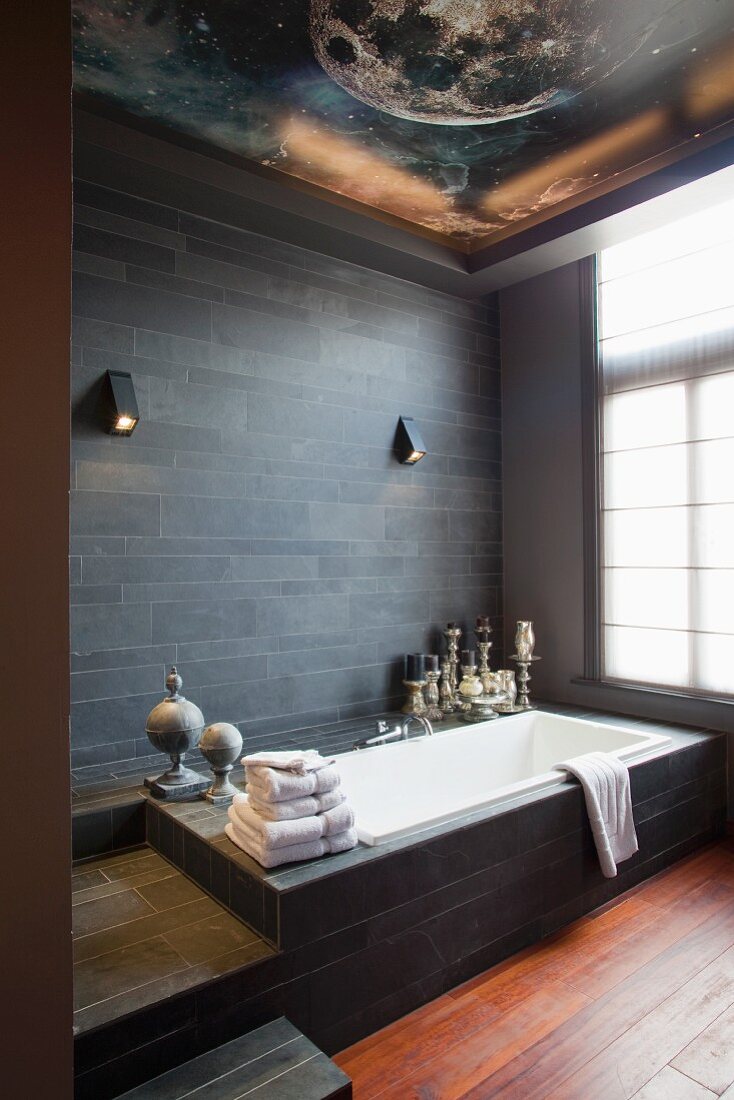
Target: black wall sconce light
(121,405)
(409,445)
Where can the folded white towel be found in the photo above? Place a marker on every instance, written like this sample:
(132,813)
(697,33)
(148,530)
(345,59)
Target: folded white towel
(298,762)
(294,853)
(606,784)
(272,785)
(294,807)
(279,834)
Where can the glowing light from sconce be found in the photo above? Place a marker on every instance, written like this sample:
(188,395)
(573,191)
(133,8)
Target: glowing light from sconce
(409,445)
(347,167)
(710,89)
(566,174)
(122,413)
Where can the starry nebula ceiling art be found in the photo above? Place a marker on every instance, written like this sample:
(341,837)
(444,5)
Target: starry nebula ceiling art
(464,117)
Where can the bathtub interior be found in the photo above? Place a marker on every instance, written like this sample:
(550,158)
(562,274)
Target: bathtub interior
(403,788)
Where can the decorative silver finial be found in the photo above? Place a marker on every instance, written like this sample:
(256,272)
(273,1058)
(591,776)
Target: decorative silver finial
(174,727)
(174,683)
(221,744)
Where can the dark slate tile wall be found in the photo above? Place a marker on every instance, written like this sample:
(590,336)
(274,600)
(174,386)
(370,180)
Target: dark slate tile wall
(256,529)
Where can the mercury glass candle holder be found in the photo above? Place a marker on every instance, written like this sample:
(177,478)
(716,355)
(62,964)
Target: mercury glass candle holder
(433,711)
(414,702)
(446,691)
(524,640)
(452,634)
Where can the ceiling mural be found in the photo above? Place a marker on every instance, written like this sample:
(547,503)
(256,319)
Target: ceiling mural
(464,117)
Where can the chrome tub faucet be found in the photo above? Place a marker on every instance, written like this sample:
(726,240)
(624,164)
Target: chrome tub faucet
(384,735)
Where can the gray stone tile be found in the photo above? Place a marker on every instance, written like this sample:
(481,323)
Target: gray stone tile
(94,513)
(346,521)
(163,280)
(198,406)
(144,927)
(194,353)
(185,591)
(129,206)
(170,893)
(226,670)
(303,662)
(241,239)
(115,682)
(112,626)
(221,274)
(408,607)
(210,937)
(123,658)
(301,614)
(201,620)
(128,249)
(112,570)
(242,328)
(129,227)
(109,721)
(240,519)
(106,976)
(97,265)
(418,523)
(274,567)
(101,334)
(142,307)
(93,916)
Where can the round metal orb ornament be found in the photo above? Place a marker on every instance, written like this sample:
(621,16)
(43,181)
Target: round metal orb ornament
(174,727)
(221,744)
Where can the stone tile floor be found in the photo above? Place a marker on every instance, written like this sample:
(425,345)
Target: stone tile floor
(143,931)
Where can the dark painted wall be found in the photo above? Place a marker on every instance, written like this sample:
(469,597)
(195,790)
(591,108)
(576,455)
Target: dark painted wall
(256,529)
(543,360)
(35,902)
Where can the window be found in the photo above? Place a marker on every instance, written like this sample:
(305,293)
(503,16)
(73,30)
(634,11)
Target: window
(666,342)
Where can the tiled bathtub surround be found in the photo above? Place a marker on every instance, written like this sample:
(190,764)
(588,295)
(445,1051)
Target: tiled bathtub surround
(369,935)
(256,529)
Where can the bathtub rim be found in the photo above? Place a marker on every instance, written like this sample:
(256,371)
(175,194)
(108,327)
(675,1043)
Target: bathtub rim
(653,745)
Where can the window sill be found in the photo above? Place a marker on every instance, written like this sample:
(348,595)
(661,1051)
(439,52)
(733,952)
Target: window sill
(648,689)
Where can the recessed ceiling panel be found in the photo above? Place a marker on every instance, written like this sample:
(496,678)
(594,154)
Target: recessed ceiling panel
(464,117)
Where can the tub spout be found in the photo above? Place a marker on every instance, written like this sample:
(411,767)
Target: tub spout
(427,727)
(384,735)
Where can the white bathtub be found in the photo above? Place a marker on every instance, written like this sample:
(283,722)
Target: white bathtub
(401,788)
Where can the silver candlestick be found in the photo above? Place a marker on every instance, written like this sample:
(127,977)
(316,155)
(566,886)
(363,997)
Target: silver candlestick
(484,647)
(482,631)
(452,633)
(523,679)
(505,681)
(433,711)
(446,691)
(524,639)
(415,703)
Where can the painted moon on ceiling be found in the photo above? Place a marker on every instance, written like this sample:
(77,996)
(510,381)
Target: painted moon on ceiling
(463,62)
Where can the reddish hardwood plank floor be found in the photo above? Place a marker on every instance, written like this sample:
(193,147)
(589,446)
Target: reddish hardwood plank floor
(635,1000)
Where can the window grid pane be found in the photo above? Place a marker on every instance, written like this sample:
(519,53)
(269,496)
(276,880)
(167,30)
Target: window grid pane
(666,339)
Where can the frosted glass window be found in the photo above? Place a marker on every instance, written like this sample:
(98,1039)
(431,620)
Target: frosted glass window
(666,342)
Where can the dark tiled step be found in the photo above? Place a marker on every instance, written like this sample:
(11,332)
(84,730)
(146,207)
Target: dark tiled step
(275,1062)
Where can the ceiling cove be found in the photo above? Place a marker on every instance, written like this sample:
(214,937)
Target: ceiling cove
(464,121)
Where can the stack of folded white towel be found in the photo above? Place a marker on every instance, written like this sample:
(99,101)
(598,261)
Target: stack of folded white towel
(293,810)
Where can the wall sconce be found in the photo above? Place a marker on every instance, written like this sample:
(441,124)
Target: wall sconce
(409,445)
(122,405)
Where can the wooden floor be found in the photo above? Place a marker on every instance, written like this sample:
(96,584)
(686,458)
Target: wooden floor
(635,1000)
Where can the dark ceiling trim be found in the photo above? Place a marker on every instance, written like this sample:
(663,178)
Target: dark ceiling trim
(83,101)
(226,188)
(685,163)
